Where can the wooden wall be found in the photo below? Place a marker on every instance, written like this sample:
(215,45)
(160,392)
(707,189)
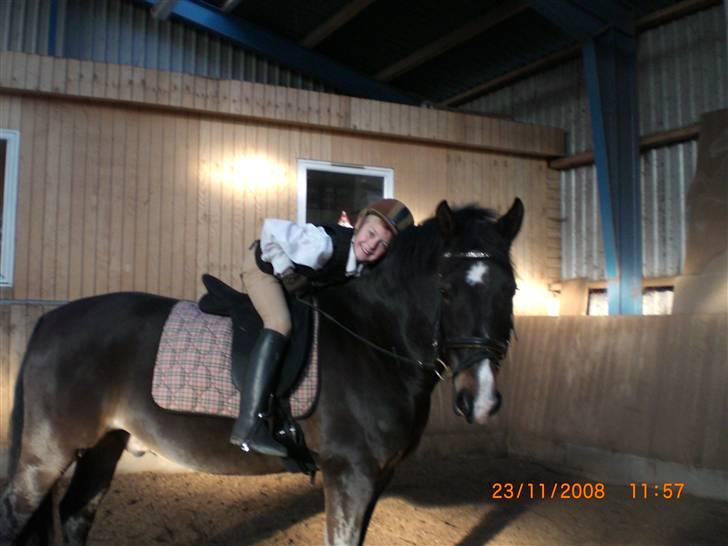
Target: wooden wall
(16,325)
(649,386)
(131,179)
(118,197)
(654,387)
(94,81)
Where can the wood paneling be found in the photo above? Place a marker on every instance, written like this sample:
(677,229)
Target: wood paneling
(133,180)
(16,325)
(102,82)
(649,386)
(124,198)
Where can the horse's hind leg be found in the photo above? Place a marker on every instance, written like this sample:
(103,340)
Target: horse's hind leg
(90,482)
(40,465)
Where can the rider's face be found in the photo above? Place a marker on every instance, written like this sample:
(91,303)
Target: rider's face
(371,240)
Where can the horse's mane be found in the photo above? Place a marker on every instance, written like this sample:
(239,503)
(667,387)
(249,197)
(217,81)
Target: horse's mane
(419,248)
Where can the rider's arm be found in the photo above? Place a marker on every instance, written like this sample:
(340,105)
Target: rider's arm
(284,243)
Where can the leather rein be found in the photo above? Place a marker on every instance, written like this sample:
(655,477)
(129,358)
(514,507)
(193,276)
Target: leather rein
(482,347)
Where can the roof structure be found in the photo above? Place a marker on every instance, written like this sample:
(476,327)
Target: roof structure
(416,51)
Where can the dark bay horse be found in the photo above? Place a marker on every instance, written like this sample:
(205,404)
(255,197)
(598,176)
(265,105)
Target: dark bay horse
(443,294)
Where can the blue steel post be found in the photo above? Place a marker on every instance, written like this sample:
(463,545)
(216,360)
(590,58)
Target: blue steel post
(610,66)
(52,28)
(606,32)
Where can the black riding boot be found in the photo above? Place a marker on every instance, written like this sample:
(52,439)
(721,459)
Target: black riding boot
(250,431)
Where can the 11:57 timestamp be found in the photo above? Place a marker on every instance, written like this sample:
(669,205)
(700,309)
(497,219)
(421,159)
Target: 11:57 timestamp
(660,490)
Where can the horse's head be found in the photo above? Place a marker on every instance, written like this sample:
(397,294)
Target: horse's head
(477,286)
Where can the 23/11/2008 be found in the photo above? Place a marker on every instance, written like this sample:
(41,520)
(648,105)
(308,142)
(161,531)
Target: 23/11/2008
(540,490)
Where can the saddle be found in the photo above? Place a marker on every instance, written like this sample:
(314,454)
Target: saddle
(223,300)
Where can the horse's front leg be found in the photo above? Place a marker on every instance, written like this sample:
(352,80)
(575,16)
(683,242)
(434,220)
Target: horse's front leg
(351,491)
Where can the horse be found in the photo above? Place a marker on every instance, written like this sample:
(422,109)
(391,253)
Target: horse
(440,302)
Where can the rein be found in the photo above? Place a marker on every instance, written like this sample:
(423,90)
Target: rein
(483,347)
(441,371)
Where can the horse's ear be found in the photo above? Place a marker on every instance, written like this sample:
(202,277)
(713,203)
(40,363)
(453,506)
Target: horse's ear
(510,223)
(444,219)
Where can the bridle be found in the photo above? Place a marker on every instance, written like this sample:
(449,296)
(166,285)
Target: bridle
(483,347)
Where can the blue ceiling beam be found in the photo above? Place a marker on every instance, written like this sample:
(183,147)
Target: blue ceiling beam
(286,52)
(609,50)
(578,23)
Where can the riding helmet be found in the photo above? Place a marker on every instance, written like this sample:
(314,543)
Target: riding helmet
(394,213)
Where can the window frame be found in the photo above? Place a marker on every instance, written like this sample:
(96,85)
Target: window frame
(304,165)
(9,207)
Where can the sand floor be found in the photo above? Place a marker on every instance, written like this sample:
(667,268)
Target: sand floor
(430,501)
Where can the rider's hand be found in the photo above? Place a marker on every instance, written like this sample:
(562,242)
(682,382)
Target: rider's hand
(293,282)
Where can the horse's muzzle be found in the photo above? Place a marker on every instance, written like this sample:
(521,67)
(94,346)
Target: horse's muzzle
(497,405)
(464,405)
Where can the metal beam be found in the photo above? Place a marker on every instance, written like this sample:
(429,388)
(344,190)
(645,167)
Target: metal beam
(675,11)
(574,20)
(52,28)
(162,9)
(661,17)
(610,67)
(611,12)
(230,5)
(647,142)
(610,62)
(501,12)
(513,76)
(247,35)
(335,22)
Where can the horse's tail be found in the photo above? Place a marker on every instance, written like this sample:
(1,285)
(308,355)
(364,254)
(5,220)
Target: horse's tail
(16,417)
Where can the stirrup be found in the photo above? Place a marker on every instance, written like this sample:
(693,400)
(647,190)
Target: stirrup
(260,440)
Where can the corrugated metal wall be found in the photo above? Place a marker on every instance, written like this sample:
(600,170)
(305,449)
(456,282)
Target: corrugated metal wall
(555,98)
(666,175)
(121,32)
(683,72)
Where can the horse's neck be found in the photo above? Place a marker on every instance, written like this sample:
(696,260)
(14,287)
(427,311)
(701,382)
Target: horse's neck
(394,317)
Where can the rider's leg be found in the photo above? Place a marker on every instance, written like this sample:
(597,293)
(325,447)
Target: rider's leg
(251,431)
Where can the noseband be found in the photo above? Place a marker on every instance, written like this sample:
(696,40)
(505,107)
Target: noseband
(482,347)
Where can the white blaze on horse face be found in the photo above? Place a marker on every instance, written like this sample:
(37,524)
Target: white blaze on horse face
(486,399)
(475,273)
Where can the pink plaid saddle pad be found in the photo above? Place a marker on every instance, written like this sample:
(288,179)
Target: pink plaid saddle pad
(192,371)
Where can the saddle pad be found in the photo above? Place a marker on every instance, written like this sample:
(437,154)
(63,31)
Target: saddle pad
(192,370)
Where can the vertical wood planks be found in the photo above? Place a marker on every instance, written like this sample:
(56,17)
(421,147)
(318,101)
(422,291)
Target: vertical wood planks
(100,259)
(126,198)
(116,198)
(178,209)
(267,102)
(192,182)
(168,220)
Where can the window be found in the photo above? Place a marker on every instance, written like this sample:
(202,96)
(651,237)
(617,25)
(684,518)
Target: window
(655,301)
(9,154)
(330,193)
